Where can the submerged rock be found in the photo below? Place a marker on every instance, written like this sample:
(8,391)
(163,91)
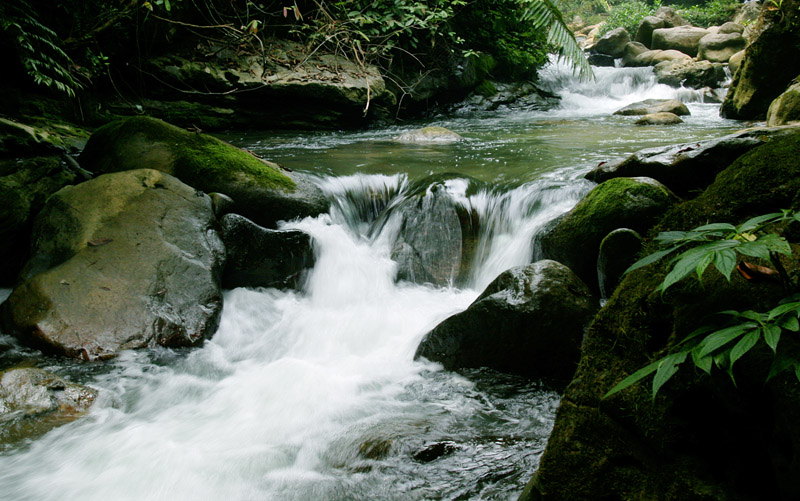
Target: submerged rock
(33,401)
(429,135)
(574,238)
(649,106)
(261,191)
(258,257)
(126,260)
(529,321)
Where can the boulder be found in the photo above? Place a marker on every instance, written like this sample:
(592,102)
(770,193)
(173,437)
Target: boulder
(687,167)
(33,401)
(262,191)
(25,184)
(436,238)
(683,38)
(613,43)
(731,27)
(601,60)
(735,62)
(661,118)
(529,321)
(644,34)
(670,16)
(770,64)
(617,253)
(126,260)
(678,445)
(786,107)
(637,55)
(574,238)
(649,106)
(631,53)
(720,47)
(429,135)
(690,73)
(259,257)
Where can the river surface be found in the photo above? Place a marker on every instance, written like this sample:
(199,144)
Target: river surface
(314,394)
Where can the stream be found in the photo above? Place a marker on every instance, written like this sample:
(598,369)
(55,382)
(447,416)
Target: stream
(314,394)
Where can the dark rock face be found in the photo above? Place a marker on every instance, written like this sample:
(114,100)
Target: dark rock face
(262,191)
(682,446)
(258,257)
(529,321)
(685,168)
(33,401)
(649,106)
(574,238)
(770,64)
(125,260)
(618,251)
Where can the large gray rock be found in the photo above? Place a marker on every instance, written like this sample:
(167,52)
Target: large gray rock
(529,321)
(574,238)
(429,135)
(649,106)
(690,73)
(670,16)
(613,43)
(644,34)
(126,260)
(33,401)
(786,107)
(687,167)
(731,27)
(683,38)
(718,48)
(259,257)
(261,191)
(637,55)
(660,118)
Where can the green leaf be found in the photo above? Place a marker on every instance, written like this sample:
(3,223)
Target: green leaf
(634,378)
(754,249)
(772,334)
(703,363)
(790,324)
(725,262)
(775,243)
(666,369)
(716,227)
(757,221)
(724,336)
(784,308)
(780,364)
(745,344)
(797,370)
(652,258)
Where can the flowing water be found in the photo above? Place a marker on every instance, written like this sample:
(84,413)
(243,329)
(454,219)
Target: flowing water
(314,394)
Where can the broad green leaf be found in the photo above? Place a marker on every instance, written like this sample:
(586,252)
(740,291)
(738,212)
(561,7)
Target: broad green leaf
(784,308)
(757,221)
(775,243)
(780,364)
(754,249)
(725,262)
(634,378)
(790,324)
(703,363)
(671,236)
(724,336)
(772,334)
(696,333)
(745,344)
(703,264)
(666,369)
(685,264)
(652,258)
(716,227)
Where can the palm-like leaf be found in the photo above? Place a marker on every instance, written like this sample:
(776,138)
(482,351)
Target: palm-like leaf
(545,15)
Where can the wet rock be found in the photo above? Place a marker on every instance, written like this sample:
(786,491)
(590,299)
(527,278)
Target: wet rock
(434,451)
(613,43)
(574,238)
(259,257)
(126,260)
(618,251)
(682,38)
(513,95)
(429,135)
(649,106)
(644,34)
(661,118)
(718,48)
(33,401)
(786,107)
(687,167)
(262,191)
(770,64)
(601,60)
(690,73)
(529,321)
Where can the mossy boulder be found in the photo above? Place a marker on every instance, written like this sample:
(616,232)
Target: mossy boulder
(770,64)
(618,251)
(33,401)
(126,260)
(574,238)
(786,107)
(259,257)
(25,184)
(262,191)
(529,321)
(702,437)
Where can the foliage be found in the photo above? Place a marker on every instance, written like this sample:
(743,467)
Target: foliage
(628,15)
(712,13)
(546,16)
(725,342)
